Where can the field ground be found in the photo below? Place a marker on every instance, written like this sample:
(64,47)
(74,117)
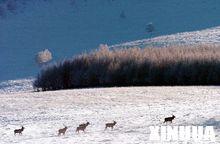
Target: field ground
(134,108)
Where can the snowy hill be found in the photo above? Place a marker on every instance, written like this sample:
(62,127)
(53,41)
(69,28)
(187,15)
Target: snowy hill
(70,27)
(134,109)
(208,36)
(16,86)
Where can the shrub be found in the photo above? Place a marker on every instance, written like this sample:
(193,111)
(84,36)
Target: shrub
(43,56)
(180,65)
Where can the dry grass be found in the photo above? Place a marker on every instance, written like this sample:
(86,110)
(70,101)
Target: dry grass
(186,65)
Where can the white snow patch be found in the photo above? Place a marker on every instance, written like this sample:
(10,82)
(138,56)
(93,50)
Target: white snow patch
(16,86)
(134,109)
(208,36)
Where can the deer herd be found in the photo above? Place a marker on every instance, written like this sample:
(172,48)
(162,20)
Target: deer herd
(83,126)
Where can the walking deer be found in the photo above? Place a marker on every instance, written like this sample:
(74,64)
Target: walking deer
(62,131)
(82,127)
(111,125)
(169,119)
(19,131)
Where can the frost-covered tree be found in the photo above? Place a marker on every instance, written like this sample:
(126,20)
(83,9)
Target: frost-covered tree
(134,66)
(103,47)
(43,56)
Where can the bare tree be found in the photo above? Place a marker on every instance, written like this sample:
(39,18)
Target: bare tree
(150,28)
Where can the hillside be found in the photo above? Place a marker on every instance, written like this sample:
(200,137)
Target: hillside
(134,109)
(209,36)
(16,86)
(70,27)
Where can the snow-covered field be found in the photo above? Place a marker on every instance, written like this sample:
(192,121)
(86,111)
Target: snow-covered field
(134,108)
(69,27)
(209,36)
(16,86)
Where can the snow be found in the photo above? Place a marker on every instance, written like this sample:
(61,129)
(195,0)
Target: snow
(69,27)
(134,109)
(16,86)
(209,36)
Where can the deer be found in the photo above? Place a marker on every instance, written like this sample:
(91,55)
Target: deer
(19,131)
(169,119)
(62,131)
(111,125)
(82,127)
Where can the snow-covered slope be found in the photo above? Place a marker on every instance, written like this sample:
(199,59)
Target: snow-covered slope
(207,36)
(16,86)
(134,109)
(68,27)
